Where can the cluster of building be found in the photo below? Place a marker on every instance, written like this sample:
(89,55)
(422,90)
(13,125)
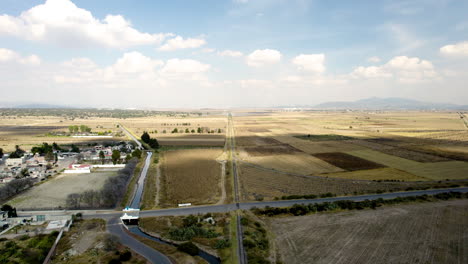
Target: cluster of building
(37,167)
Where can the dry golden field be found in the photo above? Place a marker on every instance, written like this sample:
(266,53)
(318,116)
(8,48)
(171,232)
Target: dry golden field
(28,131)
(53,193)
(416,233)
(410,146)
(260,183)
(190,176)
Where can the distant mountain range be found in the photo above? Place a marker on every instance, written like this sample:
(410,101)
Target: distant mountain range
(375,103)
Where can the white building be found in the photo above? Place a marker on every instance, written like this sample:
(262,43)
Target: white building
(14,162)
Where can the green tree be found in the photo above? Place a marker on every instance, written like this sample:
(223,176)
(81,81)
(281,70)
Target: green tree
(219,130)
(199,130)
(187,130)
(175,130)
(115,156)
(136,153)
(74,148)
(102,156)
(145,137)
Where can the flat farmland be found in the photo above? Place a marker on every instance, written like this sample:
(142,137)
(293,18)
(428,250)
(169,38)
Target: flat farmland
(167,124)
(192,140)
(53,193)
(434,171)
(435,232)
(28,131)
(190,176)
(382,174)
(347,162)
(257,182)
(298,163)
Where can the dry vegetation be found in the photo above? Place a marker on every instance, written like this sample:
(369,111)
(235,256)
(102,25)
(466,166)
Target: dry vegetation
(28,131)
(190,176)
(416,233)
(275,150)
(258,183)
(347,162)
(53,193)
(88,242)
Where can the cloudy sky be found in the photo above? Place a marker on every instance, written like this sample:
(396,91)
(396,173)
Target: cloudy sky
(231,53)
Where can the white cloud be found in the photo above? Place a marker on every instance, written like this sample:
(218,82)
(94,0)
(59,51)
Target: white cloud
(184,66)
(458,49)
(7,55)
(230,53)
(135,62)
(402,68)
(310,62)
(181,43)
(374,59)
(370,72)
(63,23)
(264,57)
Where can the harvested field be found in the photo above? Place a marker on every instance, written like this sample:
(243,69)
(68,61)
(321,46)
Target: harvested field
(383,174)
(28,131)
(262,183)
(53,193)
(191,142)
(435,232)
(327,137)
(255,130)
(434,171)
(190,176)
(347,162)
(271,150)
(320,146)
(299,163)
(256,141)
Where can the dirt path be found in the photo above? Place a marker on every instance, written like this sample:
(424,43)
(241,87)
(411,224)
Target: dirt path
(158,185)
(222,184)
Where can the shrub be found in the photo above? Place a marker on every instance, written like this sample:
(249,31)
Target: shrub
(125,256)
(188,248)
(222,243)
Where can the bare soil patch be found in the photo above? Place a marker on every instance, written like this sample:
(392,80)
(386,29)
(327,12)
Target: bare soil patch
(271,150)
(190,176)
(347,162)
(256,140)
(433,232)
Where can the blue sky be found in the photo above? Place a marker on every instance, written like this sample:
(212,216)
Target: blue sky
(231,53)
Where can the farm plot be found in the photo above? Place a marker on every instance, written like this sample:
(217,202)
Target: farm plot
(271,150)
(53,193)
(299,163)
(259,183)
(255,141)
(382,174)
(190,176)
(192,141)
(434,171)
(347,162)
(319,146)
(433,232)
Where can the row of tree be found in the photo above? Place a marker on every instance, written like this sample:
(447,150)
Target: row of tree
(303,209)
(113,190)
(81,128)
(152,142)
(15,187)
